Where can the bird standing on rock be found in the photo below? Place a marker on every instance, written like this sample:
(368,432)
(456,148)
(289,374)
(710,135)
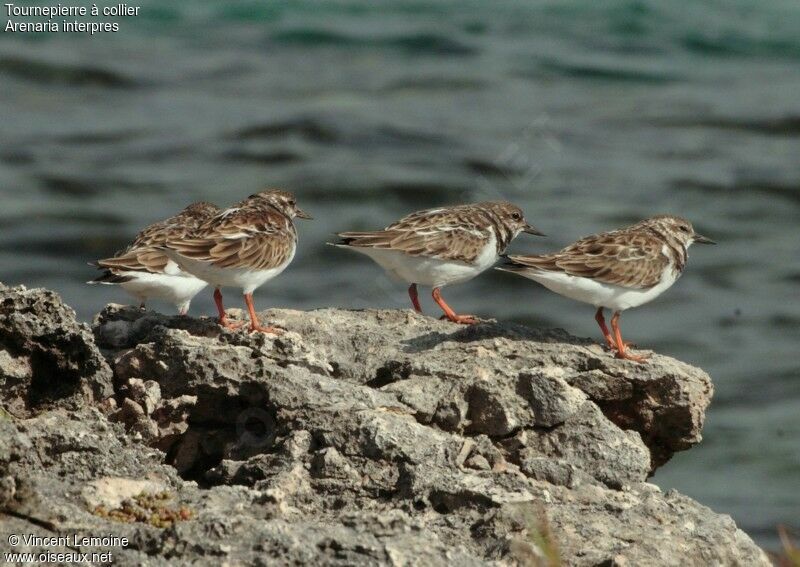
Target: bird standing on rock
(620,269)
(146,272)
(243,247)
(442,246)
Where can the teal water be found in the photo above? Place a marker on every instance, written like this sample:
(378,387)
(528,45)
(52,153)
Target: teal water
(589,116)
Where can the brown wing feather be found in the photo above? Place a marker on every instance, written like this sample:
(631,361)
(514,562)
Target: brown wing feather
(143,253)
(453,244)
(453,233)
(441,216)
(157,233)
(145,259)
(627,259)
(175,227)
(255,239)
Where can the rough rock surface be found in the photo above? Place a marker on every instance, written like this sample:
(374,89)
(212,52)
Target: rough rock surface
(47,359)
(372,437)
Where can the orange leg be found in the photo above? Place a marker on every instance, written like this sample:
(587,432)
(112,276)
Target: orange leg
(412,293)
(223,317)
(622,346)
(606,333)
(449,313)
(254,324)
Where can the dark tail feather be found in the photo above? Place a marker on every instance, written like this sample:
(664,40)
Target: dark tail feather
(107,277)
(342,240)
(508,265)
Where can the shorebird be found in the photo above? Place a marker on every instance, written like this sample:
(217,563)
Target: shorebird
(616,270)
(243,247)
(442,246)
(145,271)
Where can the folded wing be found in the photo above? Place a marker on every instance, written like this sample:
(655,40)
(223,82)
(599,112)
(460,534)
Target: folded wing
(241,239)
(636,261)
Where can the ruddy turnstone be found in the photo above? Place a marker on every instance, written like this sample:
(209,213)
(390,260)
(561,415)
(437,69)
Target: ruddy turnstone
(443,246)
(243,246)
(146,272)
(618,270)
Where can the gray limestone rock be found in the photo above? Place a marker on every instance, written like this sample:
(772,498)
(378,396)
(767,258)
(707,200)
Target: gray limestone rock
(47,359)
(360,438)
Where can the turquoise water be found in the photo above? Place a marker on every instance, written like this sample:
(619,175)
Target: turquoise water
(588,116)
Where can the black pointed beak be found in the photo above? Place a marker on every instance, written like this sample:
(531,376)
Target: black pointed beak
(302,214)
(530,229)
(700,239)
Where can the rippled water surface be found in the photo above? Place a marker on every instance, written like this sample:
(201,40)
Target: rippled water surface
(588,116)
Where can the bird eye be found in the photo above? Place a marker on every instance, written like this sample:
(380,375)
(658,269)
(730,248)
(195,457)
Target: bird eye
(683,228)
(516,216)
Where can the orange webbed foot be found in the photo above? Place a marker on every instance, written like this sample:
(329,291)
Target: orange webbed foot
(225,323)
(622,345)
(449,314)
(626,355)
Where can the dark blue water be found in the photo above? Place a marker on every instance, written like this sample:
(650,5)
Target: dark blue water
(589,116)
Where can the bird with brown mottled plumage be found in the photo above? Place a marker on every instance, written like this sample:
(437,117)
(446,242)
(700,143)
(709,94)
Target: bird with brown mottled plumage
(243,246)
(442,246)
(146,272)
(616,270)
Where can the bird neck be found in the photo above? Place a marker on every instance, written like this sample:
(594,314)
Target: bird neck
(502,233)
(677,249)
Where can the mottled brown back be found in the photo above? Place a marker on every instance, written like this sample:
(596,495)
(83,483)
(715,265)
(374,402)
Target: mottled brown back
(632,257)
(458,233)
(143,255)
(254,236)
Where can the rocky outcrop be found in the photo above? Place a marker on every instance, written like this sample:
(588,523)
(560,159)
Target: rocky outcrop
(47,359)
(370,437)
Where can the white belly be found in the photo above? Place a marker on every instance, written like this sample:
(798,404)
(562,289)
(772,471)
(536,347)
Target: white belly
(178,290)
(245,279)
(600,294)
(429,271)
